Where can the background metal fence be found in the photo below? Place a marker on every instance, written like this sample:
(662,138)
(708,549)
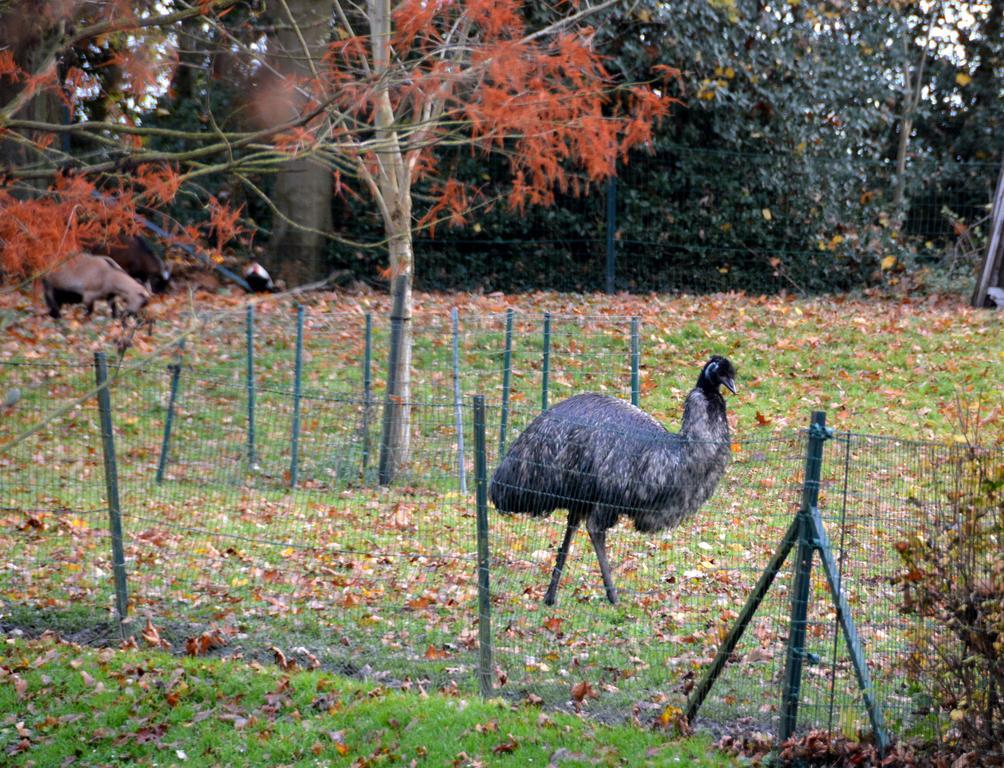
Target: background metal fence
(221,551)
(701,220)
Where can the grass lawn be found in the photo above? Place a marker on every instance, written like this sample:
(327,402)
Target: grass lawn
(63,705)
(375,581)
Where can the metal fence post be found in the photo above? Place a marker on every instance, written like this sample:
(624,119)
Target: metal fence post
(635,362)
(808,533)
(367,389)
(165,445)
(249,333)
(458,411)
(294,448)
(484,590)
(506,381)
(611,233)
(392,405)
(546,363)
(112,489)
(803,571)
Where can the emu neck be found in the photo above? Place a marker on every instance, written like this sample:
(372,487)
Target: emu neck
(704,415)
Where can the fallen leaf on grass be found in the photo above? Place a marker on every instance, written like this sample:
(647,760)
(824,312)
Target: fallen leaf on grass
(152,636)
(339,741)
(281,661)
(581,691)
(312,661)
(491,726)
(553,624)
(507,747)
(432,653)
(207,641)
(673,717)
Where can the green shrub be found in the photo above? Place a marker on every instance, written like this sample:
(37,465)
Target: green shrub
(953,578)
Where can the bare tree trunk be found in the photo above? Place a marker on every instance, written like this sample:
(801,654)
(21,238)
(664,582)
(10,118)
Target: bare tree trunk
(297,250)
(302,193)
(29,34)
(395,440)
(913,84)
(393,190)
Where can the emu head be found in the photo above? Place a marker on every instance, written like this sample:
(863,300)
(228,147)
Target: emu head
(718,371)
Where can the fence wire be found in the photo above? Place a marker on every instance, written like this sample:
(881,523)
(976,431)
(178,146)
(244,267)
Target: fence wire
(222,550)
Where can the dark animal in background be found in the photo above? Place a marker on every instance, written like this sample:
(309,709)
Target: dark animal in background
(85,279)
(136,256)
(258,278)
(599,458)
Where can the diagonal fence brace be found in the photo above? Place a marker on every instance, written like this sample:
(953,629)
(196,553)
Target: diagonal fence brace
(749,610)
(822,544)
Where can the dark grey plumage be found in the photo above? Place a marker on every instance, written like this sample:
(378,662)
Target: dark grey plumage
(599,458)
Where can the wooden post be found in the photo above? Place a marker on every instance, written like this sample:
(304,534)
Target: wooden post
(484,561)
(992,272)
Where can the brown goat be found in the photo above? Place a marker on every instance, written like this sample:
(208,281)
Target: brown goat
(85,279)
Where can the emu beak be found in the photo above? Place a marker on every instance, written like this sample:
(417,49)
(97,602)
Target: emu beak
(731,385)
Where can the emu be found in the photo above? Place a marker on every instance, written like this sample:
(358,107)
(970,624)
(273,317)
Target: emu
(599,458)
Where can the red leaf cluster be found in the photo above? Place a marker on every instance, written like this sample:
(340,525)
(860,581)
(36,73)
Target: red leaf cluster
(204,643)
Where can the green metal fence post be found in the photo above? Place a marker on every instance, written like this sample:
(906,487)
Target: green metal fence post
(803,571)
(249,333)
(611,233)
(635,362)
(393,408)
(165,445)
(506,381)
(808,533)
(546,362)
(457,404)
(367,389)
(112,489)
(484,590)
(294,448)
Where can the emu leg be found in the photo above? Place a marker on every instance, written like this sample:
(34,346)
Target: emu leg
(599,538)
(559,564)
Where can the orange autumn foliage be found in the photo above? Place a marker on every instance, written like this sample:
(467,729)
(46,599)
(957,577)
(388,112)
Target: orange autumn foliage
(38,232)
(462,71)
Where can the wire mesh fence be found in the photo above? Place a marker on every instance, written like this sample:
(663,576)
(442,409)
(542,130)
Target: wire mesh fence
(704,219)
(681,592)
(223,549)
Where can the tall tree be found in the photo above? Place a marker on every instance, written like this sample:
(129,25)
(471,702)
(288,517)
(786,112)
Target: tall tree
(300,33)
(371,111)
